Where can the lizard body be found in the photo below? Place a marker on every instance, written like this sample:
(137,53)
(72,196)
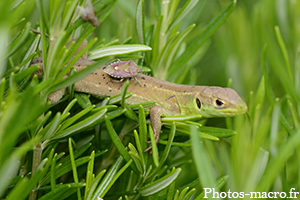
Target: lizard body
(171,99)
(176,98)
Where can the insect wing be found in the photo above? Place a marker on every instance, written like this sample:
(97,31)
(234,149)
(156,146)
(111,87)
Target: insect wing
(133,69)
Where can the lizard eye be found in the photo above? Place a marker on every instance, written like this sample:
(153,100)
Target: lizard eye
(219,103)
(198,103)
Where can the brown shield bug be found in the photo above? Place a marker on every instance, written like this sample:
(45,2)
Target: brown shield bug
(122,70)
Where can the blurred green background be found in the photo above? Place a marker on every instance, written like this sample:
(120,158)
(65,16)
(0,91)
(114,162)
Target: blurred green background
(255,51)
(234,50)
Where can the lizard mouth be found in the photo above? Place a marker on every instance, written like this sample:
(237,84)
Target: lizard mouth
(242,108)
(238,110)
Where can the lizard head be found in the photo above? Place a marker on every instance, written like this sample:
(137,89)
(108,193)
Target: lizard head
(219,102)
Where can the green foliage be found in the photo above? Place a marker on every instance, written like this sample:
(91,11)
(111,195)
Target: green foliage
(86,148)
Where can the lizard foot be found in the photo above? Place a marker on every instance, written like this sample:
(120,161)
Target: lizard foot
(150,146)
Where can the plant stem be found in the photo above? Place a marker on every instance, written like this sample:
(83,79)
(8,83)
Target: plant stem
(37,156)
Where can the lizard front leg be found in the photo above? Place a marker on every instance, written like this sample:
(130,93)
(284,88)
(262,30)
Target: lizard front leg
(155,114)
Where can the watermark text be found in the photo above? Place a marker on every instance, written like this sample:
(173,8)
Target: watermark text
(210,192)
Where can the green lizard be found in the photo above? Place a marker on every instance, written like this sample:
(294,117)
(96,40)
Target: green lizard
(171,99)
